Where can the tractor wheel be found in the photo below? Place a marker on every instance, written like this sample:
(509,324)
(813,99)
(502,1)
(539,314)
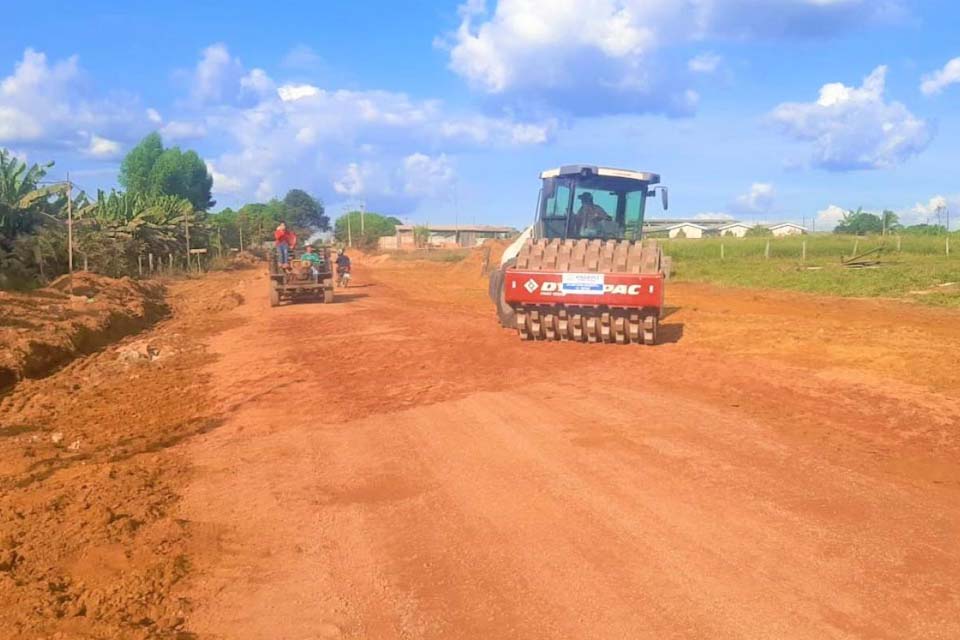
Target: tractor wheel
(505,313)
(274,293)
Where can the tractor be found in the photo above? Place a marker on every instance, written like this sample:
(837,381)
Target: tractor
(301,280)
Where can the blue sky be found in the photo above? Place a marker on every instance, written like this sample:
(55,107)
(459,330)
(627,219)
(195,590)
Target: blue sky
(444,111)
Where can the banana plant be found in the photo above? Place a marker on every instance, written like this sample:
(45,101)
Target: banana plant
(24,202)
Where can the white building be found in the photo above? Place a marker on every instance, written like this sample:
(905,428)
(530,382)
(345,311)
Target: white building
(689,229)
(786,229)
(735,229)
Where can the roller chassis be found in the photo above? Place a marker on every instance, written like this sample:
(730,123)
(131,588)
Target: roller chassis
(583,271)
(583,290)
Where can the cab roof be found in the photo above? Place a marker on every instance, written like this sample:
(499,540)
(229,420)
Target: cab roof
(589,169)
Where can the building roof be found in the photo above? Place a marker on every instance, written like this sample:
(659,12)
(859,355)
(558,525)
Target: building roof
(577,169)
(777,225)
(469,228)
(709,222)
(686,224)
(730,225)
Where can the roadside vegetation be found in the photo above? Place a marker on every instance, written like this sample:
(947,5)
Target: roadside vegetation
(162,211)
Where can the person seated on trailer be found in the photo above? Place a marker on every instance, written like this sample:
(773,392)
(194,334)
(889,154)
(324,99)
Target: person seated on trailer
(313,258)
(285,241)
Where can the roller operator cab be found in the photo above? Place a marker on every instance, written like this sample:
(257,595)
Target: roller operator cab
(583,271)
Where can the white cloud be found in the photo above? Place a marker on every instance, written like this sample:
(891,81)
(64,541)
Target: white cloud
(217,75)
(177,130)
(154,116)
(291,92)
(704,63)
(830,217)
(760,199)
(49,104)
(102,147)
(936,82)
(426,176)
(387,147)
(222,182)
(350,182)
(935,211)
(604,56)
(855,127)
(257,82)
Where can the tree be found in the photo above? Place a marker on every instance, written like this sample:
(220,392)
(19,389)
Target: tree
(758,231)
(31,222)
(890,221)
(303,211)
(150,170)
(860,223)
(925,230)
(138,163)
(421,236)
(176,173)
(375,226)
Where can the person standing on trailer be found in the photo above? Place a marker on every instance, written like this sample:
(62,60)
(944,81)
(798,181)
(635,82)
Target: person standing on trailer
(285,240)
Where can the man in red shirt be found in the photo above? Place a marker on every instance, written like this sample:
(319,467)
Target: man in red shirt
(286,240)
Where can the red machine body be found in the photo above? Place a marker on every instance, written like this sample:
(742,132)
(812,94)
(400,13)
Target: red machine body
(614,290)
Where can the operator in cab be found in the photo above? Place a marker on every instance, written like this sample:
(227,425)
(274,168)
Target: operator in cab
(590,214)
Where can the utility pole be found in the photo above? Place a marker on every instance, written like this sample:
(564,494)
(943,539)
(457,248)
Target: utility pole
(69,226)
(349,232)
(240,226)
(363,207)
(186,233)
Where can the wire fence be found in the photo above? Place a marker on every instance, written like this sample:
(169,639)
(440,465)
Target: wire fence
(809,246)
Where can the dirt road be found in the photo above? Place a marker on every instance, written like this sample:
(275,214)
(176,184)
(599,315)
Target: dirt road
(397,466)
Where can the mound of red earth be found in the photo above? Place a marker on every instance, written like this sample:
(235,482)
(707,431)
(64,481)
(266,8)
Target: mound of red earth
(44,329)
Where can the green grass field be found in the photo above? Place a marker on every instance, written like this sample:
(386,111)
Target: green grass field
(432,255)
(916,271)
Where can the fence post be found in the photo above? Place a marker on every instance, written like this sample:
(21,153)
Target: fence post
(898,244)
(150,261)
(766,251)
(722,255)
(948,245)
(170,255)
(140,266)
(856,245)
(803,251)
(85,262)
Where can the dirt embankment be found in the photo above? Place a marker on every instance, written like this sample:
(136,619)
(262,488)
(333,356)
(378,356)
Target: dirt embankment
(43,330)
(89,547)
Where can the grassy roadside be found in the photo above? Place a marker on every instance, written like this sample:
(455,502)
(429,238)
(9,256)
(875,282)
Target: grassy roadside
(921,270)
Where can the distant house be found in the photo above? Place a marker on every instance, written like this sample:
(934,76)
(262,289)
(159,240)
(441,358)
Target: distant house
(686,230)
(786,229)
(446,235)
(736,229)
